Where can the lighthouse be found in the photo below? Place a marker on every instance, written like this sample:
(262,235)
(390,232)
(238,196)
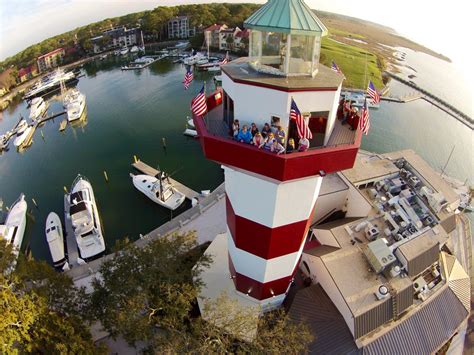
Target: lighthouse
(270,197)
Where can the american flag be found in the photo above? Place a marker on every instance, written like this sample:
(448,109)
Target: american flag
(225,60)
(335,68)
(301,125)
(364,122)
(373,93)
(188,77)
(198,104)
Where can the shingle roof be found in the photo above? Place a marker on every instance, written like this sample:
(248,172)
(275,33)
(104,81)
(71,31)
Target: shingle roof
(286,16)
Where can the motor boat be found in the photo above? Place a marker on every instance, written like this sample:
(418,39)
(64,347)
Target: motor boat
(159,190)
(13,229)
(190,122)
(76,106)
(215,68)
(85,219)
(190,132)
(124,51)
(134,49)
(358,99)
(38,108)
(21,136)
(22,126)
(51,83)
(195,59)
(55,239)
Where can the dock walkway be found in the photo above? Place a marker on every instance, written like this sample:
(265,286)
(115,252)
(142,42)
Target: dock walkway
(148,170)
(72,252)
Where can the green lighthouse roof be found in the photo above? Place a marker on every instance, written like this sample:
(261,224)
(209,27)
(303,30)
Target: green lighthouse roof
(286,16)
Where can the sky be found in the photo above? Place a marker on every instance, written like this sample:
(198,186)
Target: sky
(439,25)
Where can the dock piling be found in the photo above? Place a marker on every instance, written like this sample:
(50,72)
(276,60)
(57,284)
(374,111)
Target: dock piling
(135,159)
(65,189)
(163,140)
(105,176)
(34,202)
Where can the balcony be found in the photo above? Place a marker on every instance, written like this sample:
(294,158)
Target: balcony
(218,145)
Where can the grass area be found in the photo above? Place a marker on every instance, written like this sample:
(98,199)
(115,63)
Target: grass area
(335,31)
(352,61)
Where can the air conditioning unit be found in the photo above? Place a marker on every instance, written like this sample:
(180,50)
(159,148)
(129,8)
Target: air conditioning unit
(419,284)
(382,292)
(395,271)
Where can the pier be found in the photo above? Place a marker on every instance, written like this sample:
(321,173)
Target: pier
(148,170)
(72,252)
(432,99)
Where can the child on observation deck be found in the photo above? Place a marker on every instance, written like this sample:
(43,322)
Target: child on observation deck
(258,140)
(235,128)
(277,147)
(291,146)
(280,135)
(269,142)
(266,130)
(303,144)
(253,129)
(244,135)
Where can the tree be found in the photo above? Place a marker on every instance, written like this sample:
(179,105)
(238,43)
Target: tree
(42,311)
(230,41)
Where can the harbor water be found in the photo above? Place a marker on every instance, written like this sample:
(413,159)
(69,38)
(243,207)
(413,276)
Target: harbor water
(130,112)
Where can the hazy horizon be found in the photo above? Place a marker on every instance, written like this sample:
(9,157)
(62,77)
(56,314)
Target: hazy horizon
(431,25)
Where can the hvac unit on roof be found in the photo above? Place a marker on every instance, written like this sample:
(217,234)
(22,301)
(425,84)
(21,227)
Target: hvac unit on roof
(419,284)
(413,181)
(395,271)
(382,292)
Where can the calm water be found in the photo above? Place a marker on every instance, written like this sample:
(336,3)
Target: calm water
(130,112)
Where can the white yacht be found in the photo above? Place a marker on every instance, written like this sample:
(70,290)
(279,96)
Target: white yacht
(134,49)
(13,229)
(22,134)
(194,59)
(124,51)
(76,104)
(85,219)
(50,83)
(38,108)
(159,190)
(55,239)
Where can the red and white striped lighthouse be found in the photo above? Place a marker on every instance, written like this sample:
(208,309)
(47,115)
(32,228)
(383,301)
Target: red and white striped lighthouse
(270,197)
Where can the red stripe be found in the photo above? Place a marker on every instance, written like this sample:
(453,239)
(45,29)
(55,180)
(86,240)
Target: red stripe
(263,241)
(256,289)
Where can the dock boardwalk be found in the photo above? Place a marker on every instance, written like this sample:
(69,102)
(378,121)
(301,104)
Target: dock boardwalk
(72,252)
(148,170)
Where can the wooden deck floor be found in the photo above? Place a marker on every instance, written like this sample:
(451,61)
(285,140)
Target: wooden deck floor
(72,251)
(341,134)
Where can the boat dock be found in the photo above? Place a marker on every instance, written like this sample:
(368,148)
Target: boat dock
(148,170)
(72,252)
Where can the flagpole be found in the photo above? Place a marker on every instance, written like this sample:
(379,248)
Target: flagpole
(207,111)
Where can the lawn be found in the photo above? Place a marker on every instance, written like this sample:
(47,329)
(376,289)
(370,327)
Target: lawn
(352,61)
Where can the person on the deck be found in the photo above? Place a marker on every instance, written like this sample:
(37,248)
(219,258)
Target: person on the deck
(354,122)
(253,129)
(346,111)
(291,146)
(269,141)
(277,147)
(266,130)
(244,135)
(303,144)
(258,140)
(235,128)
(280,135)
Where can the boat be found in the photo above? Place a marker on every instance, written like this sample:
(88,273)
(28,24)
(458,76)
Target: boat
(55,239)
(85,219)
(181,45)
(134,49)
(216,68)
(38,108)
(358,98)
(218,78)
(103,56)
(190,122)
(13,229)
(21,136)
(140,63)
(51,83)
(22,126)
(124,51)
(194,59)
(159,189)
(190,132)
(76,106)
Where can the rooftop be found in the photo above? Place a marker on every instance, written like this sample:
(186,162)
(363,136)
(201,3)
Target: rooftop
(239,70)
(286,16)
(57,50)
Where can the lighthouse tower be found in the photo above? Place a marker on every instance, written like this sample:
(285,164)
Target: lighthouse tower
(270,197)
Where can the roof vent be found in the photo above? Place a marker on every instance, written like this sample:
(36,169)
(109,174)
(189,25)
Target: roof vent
(382,292)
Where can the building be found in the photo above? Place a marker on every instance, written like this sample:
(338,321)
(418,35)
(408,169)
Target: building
(258,256)
(212,34)
(387,268)
(227,38)
(178,27)
(50,60)
(116,37)
(27,73)
(373,234)
(241,40)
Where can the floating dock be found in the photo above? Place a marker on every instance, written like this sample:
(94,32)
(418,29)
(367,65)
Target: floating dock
(148,170)
(72,252)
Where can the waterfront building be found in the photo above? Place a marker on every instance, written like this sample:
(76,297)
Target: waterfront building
(50,60)
(212,34)
(178,27)
(117,37)
(374,235)
(27,73)
(241,40)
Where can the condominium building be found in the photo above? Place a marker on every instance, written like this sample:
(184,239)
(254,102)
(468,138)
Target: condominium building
(50,60)
(178,27)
